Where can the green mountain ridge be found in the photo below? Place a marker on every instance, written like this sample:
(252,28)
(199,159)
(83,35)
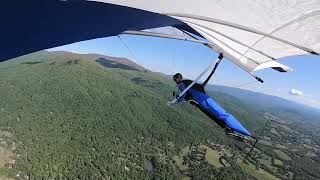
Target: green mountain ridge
(73,117)
(115,61)
(268,100)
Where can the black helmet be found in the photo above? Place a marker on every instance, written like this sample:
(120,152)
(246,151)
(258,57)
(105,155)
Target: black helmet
(176,76)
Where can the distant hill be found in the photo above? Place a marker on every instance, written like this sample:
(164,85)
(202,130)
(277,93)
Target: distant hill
(264,102)
(107,61)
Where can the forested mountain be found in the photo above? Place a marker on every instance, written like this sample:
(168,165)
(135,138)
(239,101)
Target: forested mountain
(263,102)
(73,116)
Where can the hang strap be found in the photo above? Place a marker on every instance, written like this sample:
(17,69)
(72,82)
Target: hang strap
(213,64)
(213,71)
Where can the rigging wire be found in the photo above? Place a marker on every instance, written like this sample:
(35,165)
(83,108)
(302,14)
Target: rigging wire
(257,139)
(244,84)
(173,59)
(131,52)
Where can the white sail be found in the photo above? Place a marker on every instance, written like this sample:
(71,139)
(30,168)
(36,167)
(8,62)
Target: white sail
(254,33)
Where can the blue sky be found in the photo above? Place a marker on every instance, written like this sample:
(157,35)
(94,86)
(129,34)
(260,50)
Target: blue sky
(170,56)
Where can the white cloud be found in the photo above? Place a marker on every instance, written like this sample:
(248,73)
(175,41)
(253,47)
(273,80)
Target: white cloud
(295,92)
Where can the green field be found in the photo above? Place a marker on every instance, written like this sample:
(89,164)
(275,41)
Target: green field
(184,151)
(212,156)
(179,162)
(278,162)
(266,162)
(186,178)
(268,143)
(261,174)
(280,146)
(179,159)
(282,155)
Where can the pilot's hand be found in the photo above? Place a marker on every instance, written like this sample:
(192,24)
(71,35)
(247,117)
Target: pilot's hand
(177,96)
(192,102)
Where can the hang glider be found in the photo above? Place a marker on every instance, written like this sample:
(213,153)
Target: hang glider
(252,34)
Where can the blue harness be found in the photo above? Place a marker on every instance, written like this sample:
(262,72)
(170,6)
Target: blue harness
(206,103)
